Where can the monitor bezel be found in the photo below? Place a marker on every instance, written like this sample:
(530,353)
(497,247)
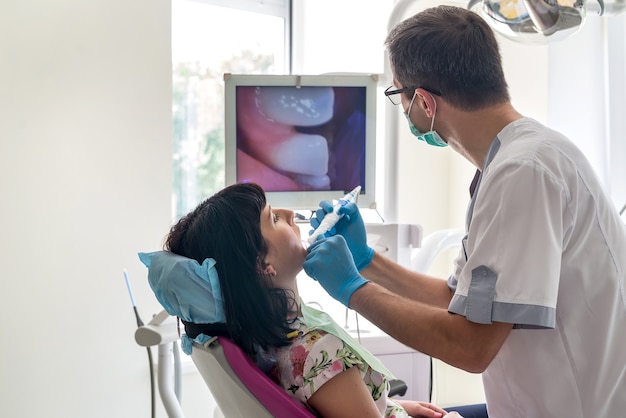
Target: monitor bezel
(304,200)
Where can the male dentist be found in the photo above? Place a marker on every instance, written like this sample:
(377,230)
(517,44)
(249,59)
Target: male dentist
(537,299)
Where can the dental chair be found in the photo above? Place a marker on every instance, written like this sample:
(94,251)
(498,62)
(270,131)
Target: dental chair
(187,290)
(238,386)
(236,383)
(241,389)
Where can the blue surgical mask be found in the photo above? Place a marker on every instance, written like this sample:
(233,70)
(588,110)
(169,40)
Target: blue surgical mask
(431,137)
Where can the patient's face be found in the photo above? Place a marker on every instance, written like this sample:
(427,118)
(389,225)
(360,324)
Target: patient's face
(286,253)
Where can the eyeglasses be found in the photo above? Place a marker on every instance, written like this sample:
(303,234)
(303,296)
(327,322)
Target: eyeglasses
(394,99)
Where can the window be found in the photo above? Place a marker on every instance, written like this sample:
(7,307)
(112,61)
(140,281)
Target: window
(213,37)
(210,38)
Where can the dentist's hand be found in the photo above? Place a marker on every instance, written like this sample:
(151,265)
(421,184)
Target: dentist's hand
(352,228)
(330,263)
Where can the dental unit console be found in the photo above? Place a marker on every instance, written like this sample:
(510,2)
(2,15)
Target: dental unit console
(302,137)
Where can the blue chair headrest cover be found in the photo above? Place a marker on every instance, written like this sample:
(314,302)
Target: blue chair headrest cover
(185,288)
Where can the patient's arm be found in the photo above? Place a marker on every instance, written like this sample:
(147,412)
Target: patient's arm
(345,395)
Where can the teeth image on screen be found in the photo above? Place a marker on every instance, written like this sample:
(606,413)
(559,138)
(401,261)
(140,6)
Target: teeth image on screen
(306,106)
(268,121)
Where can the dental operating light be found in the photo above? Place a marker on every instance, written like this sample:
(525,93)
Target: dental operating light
(541,21)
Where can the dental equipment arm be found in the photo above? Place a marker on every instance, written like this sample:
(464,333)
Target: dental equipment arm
(150,362)
(162,331)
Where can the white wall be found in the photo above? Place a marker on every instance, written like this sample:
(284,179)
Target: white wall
(85,180)
(356,29)
(587,96)
(616,74)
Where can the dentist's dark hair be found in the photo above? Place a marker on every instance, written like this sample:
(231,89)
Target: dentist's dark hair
(227,228)
(450,50)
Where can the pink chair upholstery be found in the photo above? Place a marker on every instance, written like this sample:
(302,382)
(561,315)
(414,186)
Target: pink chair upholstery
(239,387)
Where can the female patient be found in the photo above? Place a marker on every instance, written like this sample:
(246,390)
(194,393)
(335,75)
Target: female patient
(258,253)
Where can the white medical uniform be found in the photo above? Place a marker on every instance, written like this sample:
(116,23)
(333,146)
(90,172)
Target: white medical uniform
(546,251)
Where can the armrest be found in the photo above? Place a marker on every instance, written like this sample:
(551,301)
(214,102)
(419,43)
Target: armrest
(397,387)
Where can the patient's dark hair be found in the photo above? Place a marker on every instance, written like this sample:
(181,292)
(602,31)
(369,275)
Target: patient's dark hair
(227,228)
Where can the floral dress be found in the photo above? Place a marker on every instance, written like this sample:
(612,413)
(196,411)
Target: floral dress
(315,357)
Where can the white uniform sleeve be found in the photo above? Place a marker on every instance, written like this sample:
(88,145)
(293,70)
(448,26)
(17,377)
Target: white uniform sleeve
(513,248)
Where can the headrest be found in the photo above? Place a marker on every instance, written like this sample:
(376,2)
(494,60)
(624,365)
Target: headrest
(185,288)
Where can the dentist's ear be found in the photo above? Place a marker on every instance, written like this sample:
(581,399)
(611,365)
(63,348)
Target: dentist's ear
(426,102)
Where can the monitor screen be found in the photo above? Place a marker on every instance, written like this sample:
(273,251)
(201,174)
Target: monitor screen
(302,138)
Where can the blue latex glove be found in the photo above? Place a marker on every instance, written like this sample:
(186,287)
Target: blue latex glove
(351,227)
(330,263)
